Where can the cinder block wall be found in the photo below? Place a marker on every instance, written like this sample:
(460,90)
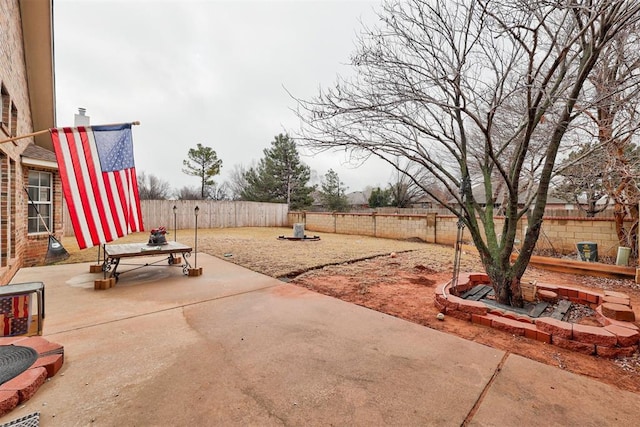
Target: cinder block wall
(406,227)
(360,224)
(560,234)
(324,222)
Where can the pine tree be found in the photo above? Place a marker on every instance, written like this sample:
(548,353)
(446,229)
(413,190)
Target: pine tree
(333,194)
(379,198)
(203,162)
(280,176)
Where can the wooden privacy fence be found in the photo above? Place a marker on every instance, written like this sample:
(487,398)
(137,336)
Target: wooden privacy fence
(212,214)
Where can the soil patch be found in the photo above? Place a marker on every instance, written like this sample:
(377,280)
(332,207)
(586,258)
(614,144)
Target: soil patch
(400,287)
(361,270)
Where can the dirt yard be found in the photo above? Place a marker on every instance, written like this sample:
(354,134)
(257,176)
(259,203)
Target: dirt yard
(362,270)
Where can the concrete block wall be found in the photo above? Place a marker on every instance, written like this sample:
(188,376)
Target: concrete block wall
(360,224)
(406,227)
(323,222)
(564,233)
(559,234)
(447,229)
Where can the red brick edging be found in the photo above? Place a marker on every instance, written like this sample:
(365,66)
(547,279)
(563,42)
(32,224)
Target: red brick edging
(615,337)
(24,386)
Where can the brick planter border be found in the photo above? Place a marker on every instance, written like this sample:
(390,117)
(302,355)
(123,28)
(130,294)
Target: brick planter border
(617,335)
(21,388)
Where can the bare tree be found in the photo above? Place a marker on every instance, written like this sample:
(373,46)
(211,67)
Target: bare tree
(188,193)
(616,89)
(581,175)
(219,192)
(404,192)
(467,91)
(237,182)
(150,187)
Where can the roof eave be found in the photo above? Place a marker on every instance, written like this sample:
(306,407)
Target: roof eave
(37,34)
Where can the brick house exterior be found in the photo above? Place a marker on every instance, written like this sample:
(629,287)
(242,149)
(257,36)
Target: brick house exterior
(28,105)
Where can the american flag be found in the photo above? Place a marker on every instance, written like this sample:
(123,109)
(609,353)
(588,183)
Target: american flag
(20,326)
(14,315)
(99,182)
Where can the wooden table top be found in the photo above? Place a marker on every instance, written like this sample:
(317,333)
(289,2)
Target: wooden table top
(142,249)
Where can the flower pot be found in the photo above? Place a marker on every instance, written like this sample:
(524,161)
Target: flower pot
(157,239)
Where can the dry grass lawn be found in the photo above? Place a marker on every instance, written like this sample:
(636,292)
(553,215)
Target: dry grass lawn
(259,249)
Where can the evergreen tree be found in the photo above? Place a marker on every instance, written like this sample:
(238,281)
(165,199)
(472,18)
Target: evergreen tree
(280,176)
(203,162)
(333,194)
(379,198)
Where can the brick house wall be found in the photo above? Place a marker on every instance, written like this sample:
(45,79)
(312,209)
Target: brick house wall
(17,247)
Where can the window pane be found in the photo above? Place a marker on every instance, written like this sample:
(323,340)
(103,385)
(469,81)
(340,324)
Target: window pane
(33,193)
(46,221)
(45,179)
(34,179)
(31,212)
(44,210)
(33,225)
(44,195)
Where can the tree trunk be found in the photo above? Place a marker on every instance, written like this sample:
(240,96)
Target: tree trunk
(506,286)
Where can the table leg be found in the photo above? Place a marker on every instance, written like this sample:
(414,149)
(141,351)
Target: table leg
(186,266)
(114,264)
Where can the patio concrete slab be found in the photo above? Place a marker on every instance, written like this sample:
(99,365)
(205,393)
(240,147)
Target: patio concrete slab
(234,347)
(73,303)
(527,393)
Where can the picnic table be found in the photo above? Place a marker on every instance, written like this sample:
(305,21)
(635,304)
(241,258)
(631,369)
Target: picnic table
(174,254)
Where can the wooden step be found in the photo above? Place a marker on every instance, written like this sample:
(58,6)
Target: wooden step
(477,292)
(538,309)
(561,310)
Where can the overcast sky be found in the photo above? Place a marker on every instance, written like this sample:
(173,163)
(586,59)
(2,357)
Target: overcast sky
(210,72)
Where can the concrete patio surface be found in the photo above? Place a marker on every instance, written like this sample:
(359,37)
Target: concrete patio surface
(233,348)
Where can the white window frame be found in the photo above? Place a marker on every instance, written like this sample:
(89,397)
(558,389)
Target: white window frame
(35,197)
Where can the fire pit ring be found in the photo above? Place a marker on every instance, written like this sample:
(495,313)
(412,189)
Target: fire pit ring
(305,238)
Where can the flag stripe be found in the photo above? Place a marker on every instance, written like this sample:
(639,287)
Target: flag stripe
(21,306)
(63,157)
(134,188)
(6,325)
(103,203)
(92,206)
(97,205)
(79,167)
